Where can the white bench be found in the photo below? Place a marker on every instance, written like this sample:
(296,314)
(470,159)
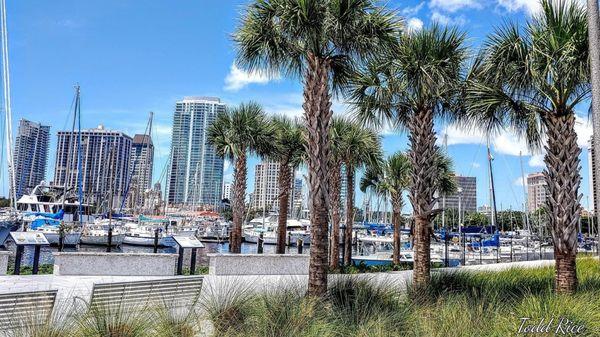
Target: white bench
(25,309)
(172,292)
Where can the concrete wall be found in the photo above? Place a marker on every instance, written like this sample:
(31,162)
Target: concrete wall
(4,262)
(115,264)
(258,264)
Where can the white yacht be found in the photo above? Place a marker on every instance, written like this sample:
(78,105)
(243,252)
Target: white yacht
(97,233)
(142,233)
(296,229)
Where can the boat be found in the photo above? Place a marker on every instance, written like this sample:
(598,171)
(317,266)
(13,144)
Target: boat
(143,232)
(49,225)
(267,226)
(97,233)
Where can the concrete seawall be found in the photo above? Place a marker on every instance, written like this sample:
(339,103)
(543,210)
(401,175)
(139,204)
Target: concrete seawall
(258,264)
(114,264)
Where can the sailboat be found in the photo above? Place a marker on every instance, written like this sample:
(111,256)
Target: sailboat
(9,219)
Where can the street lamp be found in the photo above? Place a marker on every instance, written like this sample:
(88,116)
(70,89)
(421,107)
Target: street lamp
(460,190)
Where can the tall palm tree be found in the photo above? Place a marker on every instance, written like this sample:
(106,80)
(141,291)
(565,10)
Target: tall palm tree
(336,132)
(531,79)
(593,19)
(320,41)
(410,88)
(391,179)
(288,150)
(360,147)
(235,134)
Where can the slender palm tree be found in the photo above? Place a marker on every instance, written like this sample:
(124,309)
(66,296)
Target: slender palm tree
(235,134)
(390,179)
(593,19)
(320,41)
(530,79)
(360,147)
(410,88)
(288,151)
(338,126)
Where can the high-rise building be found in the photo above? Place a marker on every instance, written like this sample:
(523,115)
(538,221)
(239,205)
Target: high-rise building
(594,198)
(227,191)
(141,164)
(105,156)
(466,195)
(196,173)
(536,191)
(297,196)
(266,188)
(30,157)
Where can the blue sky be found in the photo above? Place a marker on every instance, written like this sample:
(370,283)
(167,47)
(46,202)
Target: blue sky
(132,57)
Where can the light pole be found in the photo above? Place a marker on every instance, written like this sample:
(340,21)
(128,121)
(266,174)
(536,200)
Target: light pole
(460,190)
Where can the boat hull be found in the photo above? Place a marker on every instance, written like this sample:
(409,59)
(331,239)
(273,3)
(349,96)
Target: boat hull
(70,239)
(102,240)
(148,241)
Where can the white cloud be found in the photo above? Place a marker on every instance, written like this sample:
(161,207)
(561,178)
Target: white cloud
(475,165)
(583,128)
(537,160)
(411,11)
(238,78)
(447,20)
(452,6)
(414,24)
(531,7)
(518,181)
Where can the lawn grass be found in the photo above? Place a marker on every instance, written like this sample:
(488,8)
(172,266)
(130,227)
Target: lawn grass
(456,304)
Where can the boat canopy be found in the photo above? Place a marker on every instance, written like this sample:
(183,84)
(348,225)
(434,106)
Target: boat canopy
(56,216)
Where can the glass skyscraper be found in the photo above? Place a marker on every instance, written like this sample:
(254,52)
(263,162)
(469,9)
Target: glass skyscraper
(30,156)
(196,171)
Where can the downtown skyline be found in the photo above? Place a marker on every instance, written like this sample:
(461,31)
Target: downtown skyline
(142,65)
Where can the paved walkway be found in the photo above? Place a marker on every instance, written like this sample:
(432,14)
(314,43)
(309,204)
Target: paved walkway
(81,286)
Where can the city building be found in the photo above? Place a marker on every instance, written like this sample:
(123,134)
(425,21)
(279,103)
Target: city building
(594,199)
(105,156)
(266,188)
(30,156)
(196,171)
(141,166)
(485,210)
(153,201)
(466,195)
(297,197)
(536,191)
(227,191)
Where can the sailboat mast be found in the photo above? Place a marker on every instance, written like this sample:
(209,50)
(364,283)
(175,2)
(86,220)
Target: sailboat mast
(71,144)
(147,147)
(525,203)
(7,106)
(492,190)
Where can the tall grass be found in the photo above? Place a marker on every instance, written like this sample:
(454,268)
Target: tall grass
(456,304)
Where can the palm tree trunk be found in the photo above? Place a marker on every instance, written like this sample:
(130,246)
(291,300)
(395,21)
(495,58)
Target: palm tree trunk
(334,193)
(349,215)
(237,203)
(563,179)
(593,18)
(284,197)
(422,158)
(317,113)
(396,221)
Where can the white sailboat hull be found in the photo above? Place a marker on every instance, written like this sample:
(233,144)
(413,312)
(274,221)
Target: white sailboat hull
(70,239)
(167,241)
(102,240)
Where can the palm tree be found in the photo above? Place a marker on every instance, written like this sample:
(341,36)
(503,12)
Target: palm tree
(593,20)
(320,41)
(288,150)
(410,88)
(390,179)
(360,147)
(531,79)
(338,126)
(235,134)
